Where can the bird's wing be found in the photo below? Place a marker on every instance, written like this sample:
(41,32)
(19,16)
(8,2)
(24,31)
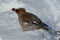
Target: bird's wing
(36,20)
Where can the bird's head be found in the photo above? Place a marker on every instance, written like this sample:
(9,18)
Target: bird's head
(19,11)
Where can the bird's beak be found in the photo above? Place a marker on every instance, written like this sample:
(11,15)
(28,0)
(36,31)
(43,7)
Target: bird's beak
(13,9)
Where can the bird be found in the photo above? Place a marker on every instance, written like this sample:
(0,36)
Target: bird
(29,21)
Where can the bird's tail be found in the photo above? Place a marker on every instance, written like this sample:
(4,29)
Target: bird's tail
(45,28)
(42,26)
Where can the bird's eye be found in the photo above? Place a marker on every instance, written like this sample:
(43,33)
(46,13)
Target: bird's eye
(17,10)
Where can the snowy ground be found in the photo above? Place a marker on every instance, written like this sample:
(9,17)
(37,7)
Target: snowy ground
(47,10)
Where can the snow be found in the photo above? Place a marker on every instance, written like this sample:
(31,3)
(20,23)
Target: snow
(47,10)
(0,38)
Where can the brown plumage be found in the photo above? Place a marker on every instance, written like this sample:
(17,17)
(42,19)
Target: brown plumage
(29,21)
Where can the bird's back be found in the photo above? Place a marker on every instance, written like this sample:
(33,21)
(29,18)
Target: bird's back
(27,25)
